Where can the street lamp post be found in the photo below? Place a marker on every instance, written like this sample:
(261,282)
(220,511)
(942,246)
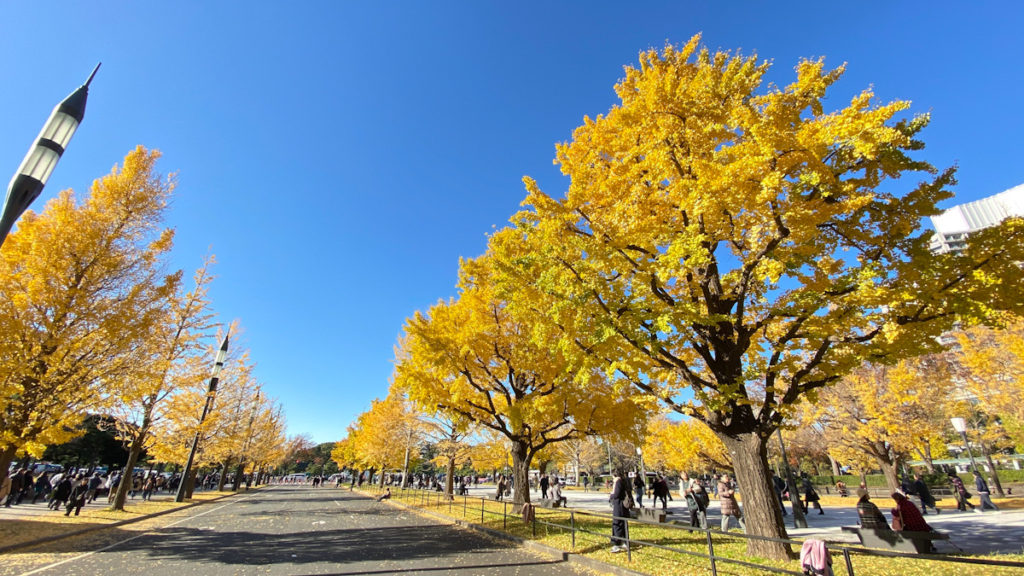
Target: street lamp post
(42,158)
(799,520)
(960,425)
(641,471)
(211,393)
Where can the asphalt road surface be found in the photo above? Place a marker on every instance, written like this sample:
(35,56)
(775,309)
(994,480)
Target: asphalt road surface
(288,530)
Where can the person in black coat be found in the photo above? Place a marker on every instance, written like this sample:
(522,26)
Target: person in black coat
(620,492)
(76,500)
(924,495)
(61,493)
(639,487)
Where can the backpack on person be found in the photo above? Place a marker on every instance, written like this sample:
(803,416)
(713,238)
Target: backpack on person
(701,496)
(628,503)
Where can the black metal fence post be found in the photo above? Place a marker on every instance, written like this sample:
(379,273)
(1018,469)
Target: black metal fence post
(849,562)
(711,553)
(481,511)
(504,516)
(629,549)
(572,528)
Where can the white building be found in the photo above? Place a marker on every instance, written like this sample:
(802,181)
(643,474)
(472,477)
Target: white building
(953,225)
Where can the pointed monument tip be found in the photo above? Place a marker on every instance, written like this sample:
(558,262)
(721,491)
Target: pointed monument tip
(87,82)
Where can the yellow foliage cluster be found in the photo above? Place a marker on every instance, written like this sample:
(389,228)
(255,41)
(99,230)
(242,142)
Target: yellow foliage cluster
(993,375)
(91,323)
(383,437)
(82,287)
(684,446)
(471,359)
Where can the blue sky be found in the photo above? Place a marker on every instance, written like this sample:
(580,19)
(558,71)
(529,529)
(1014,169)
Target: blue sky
(339,157)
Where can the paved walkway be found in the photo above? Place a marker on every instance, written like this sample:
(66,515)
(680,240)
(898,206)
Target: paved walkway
(287,530)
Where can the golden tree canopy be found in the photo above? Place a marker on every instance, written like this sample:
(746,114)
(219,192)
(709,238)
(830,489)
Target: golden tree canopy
(744,243)
(81,287)
(469,357)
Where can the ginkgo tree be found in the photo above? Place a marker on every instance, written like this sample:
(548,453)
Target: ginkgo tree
(583,455)
(470,358)
(184,319)
(386,436)
(885,412)
(82,285)
(449,434)
(992,373)
(729,247)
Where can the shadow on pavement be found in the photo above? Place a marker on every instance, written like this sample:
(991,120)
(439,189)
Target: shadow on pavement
(326,546)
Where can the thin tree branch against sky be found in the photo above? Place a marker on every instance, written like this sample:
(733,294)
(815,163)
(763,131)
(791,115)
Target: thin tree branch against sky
(339,157)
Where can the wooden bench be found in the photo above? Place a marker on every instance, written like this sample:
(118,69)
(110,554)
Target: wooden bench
(906,541)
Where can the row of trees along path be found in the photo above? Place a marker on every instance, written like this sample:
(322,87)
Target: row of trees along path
(726,249)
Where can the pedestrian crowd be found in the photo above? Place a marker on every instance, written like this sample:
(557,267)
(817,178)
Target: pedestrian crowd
(71,489)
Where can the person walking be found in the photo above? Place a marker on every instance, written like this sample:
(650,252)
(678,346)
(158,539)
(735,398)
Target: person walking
(780,486)
(148,487)
(811,497)
(961,494)
(924,495)
(983,494)
(16,486)
(586,484)
(730,507)
(639,487)
(501,488)
(544,483)
(41,487)
(76,500)
(661,492)
(696,500)
(61,492)
(618,497)
(93,485)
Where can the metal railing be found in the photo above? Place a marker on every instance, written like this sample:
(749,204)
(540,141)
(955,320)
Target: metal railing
(427,499)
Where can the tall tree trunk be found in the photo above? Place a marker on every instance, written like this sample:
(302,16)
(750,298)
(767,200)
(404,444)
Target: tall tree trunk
(127,479)
(6,457)
(889,471)
(992,467)
(223,475)
(761,511)
(239,474)
(835,466)
(449,483)
(405,468)
(190,485)
(926,456)
(521,457)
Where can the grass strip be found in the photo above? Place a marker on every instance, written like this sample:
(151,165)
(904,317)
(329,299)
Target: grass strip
(592,539)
